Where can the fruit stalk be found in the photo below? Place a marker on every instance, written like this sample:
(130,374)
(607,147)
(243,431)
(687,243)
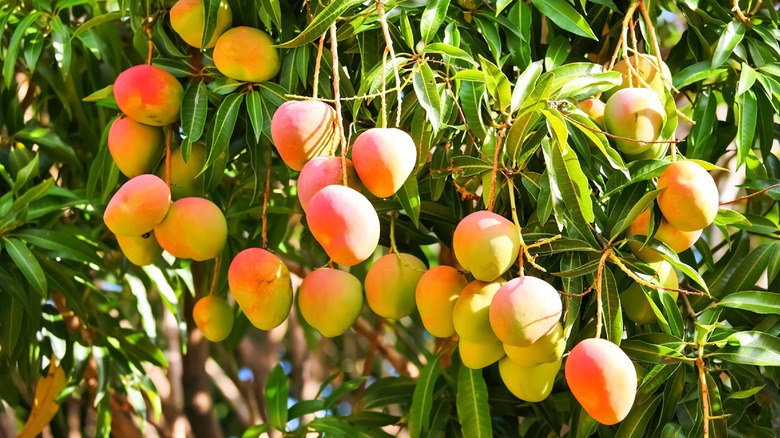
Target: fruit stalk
(380,8)
(705,398)
(213,288)
(168,135)
(599,275)
(317,65)
(334,49)
(266,196)
(499,141)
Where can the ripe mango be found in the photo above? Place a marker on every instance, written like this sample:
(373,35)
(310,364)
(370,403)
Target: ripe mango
(478,356)
(549,348)
(384,158)
(135,147)
(436,295)
(148,95)
(602,378)
(391,285)
(594,108)
(330,300)
(246,54)
(194,228)
(634,301)
(675,239)
(214,317)
(531,384)
(260,282)
(646,67)
(187,20)
(345,223)
(140,250)
(486,244)
(138,206)
(471,313)
(523,310)
(637,114)
(321,172)
(690,197)
(302,130)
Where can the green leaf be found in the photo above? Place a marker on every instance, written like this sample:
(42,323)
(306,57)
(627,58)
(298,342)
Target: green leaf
(638,419)
(334,427)
(610,308)
(734,33)
(33,44)
(557,52)
(61,44)
(26,262)
(651,352)
(527,118)
(210,13)
(321,22)
(100,94)
(12,53)
(748,115)
(634,212)
(750,348)
(428,95)
(472,404)
(565,16)
(471,95)
(256,430)
(525,84)
(432,18)
(388,391)
(753,301)
(62,242)
(451,51)
(27,173)
(497,83)
(225,120)
(746,79)
(587,86)
(95,21)
(695,73)
(409,197)
(422,400)
(194,110)
(277,390)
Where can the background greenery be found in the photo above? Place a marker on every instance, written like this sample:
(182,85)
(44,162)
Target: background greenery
(468,71)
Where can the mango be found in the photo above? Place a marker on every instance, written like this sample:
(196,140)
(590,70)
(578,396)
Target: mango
(675,239)
(594,108)
(547,349)
(302,130)
(138,206)
(391,284)
(602,379)
(478,356)
(436,295)
(470,316)
(345,223)
(260,282)
(646,67)
(214,317)
(384,158)
(195,228)
(523,310)
(330,300)
(148,95)
(187,21)
(486,244)
(246,54)
(655,152)
(140,250)
(637,114)
(531,384)
(321,172)
(690,197)
(135,147)
(185,181)
(634,301)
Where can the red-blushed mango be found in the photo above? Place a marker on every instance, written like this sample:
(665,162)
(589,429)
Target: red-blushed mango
(214,317)
(477,356)
(645,65)
(675,239)
(471,313)
(302,130)
(690,197)
(321,172)
(391,284)
(140,250)
(135,147)
(345,223)
(187,21)
(486,244)
(384,158)
(194,228)
(549,348)
(523,310)
(594,108)
(602,378)
(330,300)
(634,301)
(261,285)
(436,295)
(531,384)
(148,95)
(246,54)
(138,206)
(637,114)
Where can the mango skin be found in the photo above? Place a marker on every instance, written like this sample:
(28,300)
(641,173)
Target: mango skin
(138,206)
(531,384)
(384,158)
(486,244)
(645,66)
(302,130)
(260,282)
(345,223)
(690,197)
(214,317)
(602,379)
(140,250)
(635,113)
(330,300)
(391,284)
(594,108)
(478,356)
(523,310)
(187,21)
(194,228)
(135,147)
(321,172)
(436,295)
(634,301)
(547,349)
(655,152)
(148,95)
(471,313)
(675,239)
(246,54)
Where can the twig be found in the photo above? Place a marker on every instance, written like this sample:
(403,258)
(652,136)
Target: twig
(380,8)
(738,12)
(334,49)
(614,259)
(500,140)
(363,328)
(599,275)
(215,279)
(317,64)
(151,43)
(168,137)
(523,247)
(705,398)
(742,198)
